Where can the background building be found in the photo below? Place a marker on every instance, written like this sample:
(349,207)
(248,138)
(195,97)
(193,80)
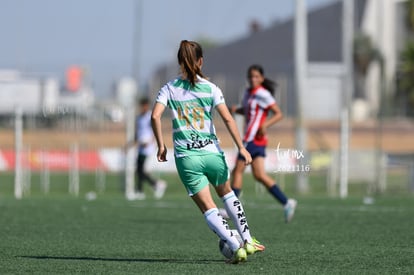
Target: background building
(379,22)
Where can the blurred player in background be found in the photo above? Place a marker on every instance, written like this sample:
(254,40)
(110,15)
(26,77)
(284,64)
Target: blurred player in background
(258,102)
(198,156)
(144,138)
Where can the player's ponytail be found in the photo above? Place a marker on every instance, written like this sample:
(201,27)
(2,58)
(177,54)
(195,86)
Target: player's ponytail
(268,84)
(189,56)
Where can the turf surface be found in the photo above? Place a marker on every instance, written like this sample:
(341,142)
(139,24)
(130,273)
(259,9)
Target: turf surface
(57,233)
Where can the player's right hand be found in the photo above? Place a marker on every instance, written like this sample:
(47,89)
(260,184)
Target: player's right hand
(246,155)
(233,109)
(162,154)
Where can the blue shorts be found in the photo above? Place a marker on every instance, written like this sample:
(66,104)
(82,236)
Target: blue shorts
(254,150)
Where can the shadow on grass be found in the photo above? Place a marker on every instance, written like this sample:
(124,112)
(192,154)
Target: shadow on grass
(142,260)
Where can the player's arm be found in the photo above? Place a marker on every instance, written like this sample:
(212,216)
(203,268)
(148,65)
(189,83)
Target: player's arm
(276,117)
(234,132)
(157,112)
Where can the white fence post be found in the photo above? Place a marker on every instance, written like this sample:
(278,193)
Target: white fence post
(27,172)
(382,177)
(45,174)
(100,180)
(18,144)
(344,154)
(74,170)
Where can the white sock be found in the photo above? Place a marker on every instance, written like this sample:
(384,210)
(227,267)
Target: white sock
(235,211)
(219,226)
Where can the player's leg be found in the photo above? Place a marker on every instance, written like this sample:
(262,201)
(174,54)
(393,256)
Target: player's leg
(141,171)
(259,173)
(217,223)
(218,175)
(237,176)
(139,194)
(235,210)
(159,186)
(238,170)
(236,182)
(190,170)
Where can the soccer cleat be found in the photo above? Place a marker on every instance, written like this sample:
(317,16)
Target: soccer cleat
(239,256)
(140,196)
(136,196)
(253,247)
(130,196)
(290,209)
(159,189)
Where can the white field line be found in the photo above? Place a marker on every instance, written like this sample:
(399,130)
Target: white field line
(301,207)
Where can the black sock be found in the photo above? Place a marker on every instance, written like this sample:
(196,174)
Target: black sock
(236,191)
(278,194)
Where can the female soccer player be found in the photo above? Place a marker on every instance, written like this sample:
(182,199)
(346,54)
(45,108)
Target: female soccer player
(257,102)
(198,157)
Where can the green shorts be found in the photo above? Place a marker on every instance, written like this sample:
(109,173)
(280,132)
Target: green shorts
(197,171)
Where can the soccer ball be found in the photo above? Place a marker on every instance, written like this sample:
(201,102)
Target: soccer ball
(225,248)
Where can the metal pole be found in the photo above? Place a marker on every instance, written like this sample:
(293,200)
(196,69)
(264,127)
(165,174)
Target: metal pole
(136,43)
(381,179)
(130,153)
(18,146)
(301,59)
(348,82)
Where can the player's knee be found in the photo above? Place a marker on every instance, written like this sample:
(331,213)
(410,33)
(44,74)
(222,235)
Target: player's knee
(259,176)
(223,189)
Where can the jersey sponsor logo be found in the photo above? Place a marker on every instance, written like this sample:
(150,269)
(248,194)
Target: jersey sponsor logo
(224,222)
(241,216)
(198,143)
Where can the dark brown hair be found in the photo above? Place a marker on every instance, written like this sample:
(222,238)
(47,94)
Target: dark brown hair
(268,84)
(144,101)
(188,56)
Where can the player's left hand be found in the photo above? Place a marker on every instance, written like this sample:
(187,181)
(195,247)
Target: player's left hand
(246,155)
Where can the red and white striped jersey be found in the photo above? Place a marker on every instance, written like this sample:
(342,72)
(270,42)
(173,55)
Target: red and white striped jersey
(256,104)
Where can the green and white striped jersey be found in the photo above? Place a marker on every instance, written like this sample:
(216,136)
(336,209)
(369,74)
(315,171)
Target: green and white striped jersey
(192,115)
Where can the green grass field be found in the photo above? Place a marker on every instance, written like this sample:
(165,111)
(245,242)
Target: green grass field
(57,233)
